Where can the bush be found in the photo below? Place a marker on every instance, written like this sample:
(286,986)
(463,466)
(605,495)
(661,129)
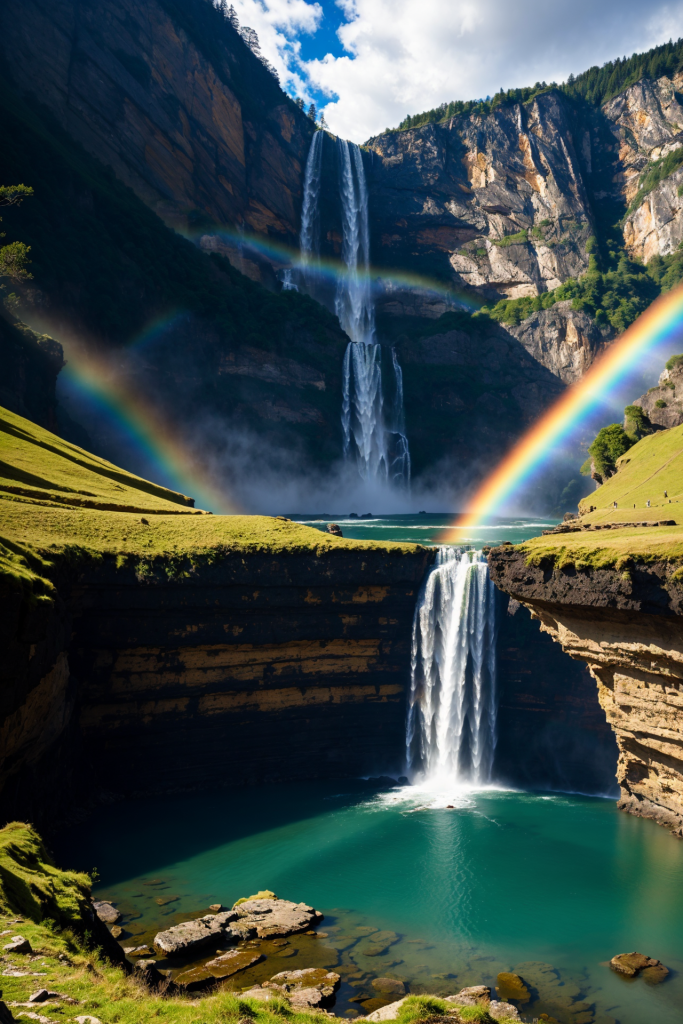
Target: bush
(660,404)
(674,361)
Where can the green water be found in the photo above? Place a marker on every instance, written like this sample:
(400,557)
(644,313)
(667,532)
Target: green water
(551,886)
(428,528)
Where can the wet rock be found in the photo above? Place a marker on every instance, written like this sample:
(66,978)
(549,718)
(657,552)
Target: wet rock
(334,529)
(197,979)
(189,935)
(106,912)
(389,986)
(117,931)
(511,986)
(232,962)
(216,908)
(18,944)
(138,951)
(471,996)
(498,1010)
(307,977)
(630,964)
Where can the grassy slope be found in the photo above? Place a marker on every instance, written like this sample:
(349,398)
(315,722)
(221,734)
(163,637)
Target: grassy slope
(652,466)
(50,491)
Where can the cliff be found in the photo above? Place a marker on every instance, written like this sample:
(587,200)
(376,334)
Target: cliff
(172,99)
(147,639)
(495,203)
(663,404)
(627,628)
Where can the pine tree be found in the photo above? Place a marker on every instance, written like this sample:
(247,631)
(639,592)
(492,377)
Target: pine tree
(299,102)
(312,112)
(323,123)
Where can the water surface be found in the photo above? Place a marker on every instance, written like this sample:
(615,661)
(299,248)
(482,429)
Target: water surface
(549,885)
(428,527)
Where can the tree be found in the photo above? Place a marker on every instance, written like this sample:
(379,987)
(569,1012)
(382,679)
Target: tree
(312,112)
(299,102)
(323,123)
(608,446)
(14,259)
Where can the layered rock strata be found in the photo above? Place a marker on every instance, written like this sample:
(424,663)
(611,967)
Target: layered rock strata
(627,626)
(259,668)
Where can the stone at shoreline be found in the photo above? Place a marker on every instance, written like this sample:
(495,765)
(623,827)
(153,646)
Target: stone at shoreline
(389,1012)
(106,912)
(262,918)
(117,931)
(146,971)
(137,951)
(630,964)
(389,986)
(216,908)
(511,986)
(233,961)
(308,988)
(497,1010)
(311,998)
(18,944)
(197,979)
(471,996)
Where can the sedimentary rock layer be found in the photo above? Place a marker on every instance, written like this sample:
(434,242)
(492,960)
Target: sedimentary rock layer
(253,669)
(627,625)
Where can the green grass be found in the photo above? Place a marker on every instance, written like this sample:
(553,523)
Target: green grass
(518,238)
(645,471)
(60,505)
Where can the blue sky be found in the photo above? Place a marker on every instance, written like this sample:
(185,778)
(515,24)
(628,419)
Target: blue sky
(368,63)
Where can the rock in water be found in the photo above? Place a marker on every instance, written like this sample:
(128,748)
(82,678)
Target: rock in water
(630,964)
(265,918)
(389,986)
(499,1010)
(511,986)
(233,961)
(308,989)
(106,912)
(334,529)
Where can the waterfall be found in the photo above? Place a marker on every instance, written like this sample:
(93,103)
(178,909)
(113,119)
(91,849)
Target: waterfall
(451,727)
(380,449)
(309,237)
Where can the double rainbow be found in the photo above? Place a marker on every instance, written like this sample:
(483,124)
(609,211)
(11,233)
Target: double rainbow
(658,323)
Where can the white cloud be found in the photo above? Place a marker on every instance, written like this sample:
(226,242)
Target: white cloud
(403,57)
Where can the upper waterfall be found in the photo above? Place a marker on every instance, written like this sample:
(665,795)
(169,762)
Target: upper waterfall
(451,728)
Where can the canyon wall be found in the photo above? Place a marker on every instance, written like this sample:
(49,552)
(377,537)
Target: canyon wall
(627,626)
(256,668)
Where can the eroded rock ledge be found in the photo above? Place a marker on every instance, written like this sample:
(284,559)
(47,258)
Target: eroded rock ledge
(628,628)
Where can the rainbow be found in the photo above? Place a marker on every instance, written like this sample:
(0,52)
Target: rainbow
(154,435)
(655,325)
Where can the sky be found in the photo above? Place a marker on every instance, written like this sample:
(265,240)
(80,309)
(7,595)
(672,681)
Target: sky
(368,63)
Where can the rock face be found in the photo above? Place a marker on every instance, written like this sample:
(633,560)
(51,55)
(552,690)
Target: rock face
(564,340)
(663,405)
(445,198)
(173,100)
(303,661)
(647,123)
(628,628)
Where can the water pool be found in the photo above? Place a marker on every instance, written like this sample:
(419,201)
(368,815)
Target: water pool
(549,885)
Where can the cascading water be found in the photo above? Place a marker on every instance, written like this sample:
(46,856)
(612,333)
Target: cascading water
(380,449)
(451,728)
(309,237)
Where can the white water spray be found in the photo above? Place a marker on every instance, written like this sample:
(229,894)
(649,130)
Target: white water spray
(309,237)
(451,728)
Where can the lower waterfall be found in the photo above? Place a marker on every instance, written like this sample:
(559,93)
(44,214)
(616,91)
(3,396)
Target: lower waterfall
(451,726)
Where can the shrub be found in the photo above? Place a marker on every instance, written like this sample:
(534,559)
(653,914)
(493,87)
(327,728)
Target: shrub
(660,404)
(674,361)
(610,443)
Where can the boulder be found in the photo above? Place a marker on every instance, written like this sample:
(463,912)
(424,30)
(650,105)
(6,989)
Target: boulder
(307,977)
(147,972)
(106,912)
(511,986)
(190,935)
(197,979)
(233,961)
(18,944)
(274,919)
(216,908)
(630,964)
(472,996)
(311,998)
(389,986)
(499,1010)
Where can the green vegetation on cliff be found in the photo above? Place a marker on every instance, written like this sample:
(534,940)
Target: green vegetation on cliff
(651,470)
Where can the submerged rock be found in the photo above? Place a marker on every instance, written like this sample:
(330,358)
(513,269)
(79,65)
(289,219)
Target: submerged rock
(631,964)
(511,986)
(233,961)
(389,986)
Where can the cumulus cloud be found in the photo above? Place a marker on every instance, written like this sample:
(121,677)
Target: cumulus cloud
(403,57)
